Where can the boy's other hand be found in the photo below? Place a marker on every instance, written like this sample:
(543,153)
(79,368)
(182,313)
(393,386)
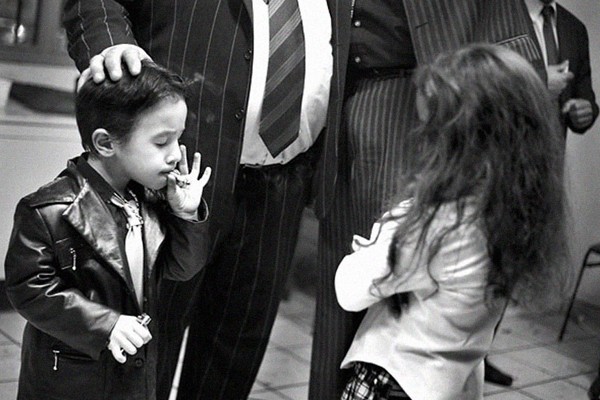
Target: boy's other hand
(110,60)
(184,188)
(127,336)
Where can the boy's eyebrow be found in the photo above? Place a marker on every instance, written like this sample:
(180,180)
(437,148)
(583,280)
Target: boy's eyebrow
(168,132)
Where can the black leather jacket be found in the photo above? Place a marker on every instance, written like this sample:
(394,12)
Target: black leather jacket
(67,274)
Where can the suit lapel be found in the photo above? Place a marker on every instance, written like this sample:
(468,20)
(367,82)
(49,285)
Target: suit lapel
(564,33)
(248,4)
(91,218)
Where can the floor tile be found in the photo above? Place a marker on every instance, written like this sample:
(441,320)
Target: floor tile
(12,325)
(525,347)
(8,390)
(532,328)
(506,340)
(3,338)
(584,350)
(509,396)
(303,352)
(287,332)
(557,390)
(10,361)
(584,381)
(522,373)
(550,362)
(268,395)
(295,393)
(279,368)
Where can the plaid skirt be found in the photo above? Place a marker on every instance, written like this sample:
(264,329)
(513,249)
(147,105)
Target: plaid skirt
(371,382)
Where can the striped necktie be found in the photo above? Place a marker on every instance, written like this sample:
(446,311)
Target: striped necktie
(134,243)
(280,117)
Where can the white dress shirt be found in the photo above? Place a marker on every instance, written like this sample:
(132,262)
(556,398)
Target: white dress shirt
(316,23)
(535,13)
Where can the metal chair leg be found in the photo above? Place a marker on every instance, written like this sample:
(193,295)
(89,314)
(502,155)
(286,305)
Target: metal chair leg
(565,322)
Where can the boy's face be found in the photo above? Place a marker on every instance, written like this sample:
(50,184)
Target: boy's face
(151,150)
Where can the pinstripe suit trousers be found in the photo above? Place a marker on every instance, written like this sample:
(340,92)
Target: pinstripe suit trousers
(377,117)
(236,300)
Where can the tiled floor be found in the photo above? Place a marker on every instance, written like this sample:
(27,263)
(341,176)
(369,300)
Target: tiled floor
(526,346)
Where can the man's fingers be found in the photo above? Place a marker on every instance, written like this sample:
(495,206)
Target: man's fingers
(97,68)
(112,63)
(83,78)
(133,59)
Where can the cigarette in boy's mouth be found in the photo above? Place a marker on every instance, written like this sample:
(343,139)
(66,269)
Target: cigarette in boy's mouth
(182,181)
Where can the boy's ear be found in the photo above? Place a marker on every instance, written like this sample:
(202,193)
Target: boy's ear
(103,143)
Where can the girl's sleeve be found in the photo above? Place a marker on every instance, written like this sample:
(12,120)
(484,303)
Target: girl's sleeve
(354,279)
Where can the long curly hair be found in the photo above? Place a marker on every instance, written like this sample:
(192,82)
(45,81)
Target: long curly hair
(490,136)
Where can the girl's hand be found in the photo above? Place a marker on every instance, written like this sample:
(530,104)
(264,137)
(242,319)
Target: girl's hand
(127,336)
(184,188)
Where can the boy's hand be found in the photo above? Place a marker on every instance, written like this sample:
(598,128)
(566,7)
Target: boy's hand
(184,190)
(127,336)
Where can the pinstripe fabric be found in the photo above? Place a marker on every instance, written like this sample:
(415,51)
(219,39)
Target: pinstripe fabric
(379,115)
(246,282)
(435,26)
(208,42)
(349,197)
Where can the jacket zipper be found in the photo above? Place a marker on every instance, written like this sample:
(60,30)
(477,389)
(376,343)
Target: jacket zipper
(73,258)
(56,353)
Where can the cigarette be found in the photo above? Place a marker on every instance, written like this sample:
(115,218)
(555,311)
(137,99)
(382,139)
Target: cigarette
(182,180)
(144,319)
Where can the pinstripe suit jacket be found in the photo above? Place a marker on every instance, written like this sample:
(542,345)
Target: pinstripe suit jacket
(435,26)
(208,41)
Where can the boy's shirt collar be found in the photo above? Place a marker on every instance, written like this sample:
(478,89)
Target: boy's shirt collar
(98,183)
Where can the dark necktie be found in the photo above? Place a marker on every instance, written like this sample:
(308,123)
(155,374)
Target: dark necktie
(280,117)
(134,244)
(551,48)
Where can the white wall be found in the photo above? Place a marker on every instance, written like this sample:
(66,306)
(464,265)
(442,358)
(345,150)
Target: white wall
(583,163)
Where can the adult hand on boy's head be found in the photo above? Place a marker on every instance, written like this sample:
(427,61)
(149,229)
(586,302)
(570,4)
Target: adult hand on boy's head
(127,336)
(110,60)
(184,190)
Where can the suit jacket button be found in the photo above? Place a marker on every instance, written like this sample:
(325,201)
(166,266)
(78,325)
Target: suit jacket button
(248,54)
(138,362)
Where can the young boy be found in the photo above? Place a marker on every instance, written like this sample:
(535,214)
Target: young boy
(88,249)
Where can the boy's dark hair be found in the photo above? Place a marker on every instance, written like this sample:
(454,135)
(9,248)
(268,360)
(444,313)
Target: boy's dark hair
(116,105)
